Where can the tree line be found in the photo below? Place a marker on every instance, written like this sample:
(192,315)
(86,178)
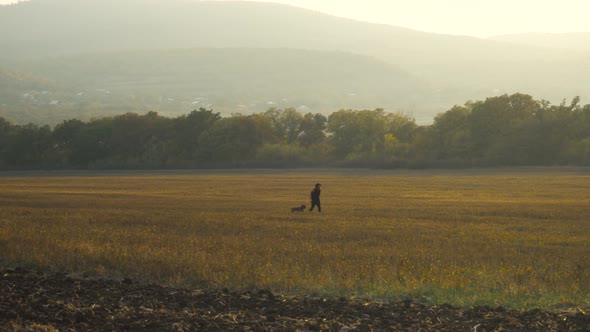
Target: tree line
(505,130)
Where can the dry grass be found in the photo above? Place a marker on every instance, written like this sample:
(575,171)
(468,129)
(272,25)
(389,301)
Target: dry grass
(512,239)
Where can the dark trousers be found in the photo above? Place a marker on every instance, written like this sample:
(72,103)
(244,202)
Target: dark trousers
(314,204)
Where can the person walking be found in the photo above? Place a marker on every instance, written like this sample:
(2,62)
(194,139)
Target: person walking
(315,197)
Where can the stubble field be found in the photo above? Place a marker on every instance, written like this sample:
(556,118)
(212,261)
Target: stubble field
(509,238)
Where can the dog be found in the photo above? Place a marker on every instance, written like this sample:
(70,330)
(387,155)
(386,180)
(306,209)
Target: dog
(298,209)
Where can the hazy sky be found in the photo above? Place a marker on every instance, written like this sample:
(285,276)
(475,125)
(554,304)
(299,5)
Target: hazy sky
(480,18)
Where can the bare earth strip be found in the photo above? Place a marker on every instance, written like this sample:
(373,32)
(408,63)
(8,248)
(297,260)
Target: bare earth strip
(37,302)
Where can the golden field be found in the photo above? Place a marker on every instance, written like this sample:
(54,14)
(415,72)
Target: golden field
(511,237)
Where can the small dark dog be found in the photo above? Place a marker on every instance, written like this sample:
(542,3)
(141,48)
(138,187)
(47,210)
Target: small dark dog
(298,209)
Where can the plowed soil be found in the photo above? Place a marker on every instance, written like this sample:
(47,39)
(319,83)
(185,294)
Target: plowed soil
(34,301)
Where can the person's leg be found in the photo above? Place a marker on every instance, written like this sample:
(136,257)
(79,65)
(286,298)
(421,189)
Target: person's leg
(319,207)
(312,206)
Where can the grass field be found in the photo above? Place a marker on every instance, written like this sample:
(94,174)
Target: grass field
(509,238)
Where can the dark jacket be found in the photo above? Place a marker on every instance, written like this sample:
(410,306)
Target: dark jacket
(315,195)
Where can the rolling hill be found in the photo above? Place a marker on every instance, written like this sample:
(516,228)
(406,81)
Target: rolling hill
(227,80)
(63,39)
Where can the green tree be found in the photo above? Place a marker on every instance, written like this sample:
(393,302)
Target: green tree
(92,144)
(581,140)
(287,124)
(357,135)
(188,129)
(313,128)
(235,140)
(140,140)
(451,134)
(67,144)
(5,132)
(559,128)
(27,147)
(495,125)
(360,135)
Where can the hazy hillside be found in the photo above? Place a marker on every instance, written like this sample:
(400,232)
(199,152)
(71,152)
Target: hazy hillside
(457,68)
(571,41)
(91,25)
(227,80)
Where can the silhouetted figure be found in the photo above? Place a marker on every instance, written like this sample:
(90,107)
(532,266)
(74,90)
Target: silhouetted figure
(315,198)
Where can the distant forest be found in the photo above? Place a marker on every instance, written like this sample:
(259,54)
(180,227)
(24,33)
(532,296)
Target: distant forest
(505,130)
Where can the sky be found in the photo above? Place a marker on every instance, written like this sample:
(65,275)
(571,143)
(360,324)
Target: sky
(479,18)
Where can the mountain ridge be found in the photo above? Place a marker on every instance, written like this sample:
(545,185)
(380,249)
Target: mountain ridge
(567,40)
(255,24)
